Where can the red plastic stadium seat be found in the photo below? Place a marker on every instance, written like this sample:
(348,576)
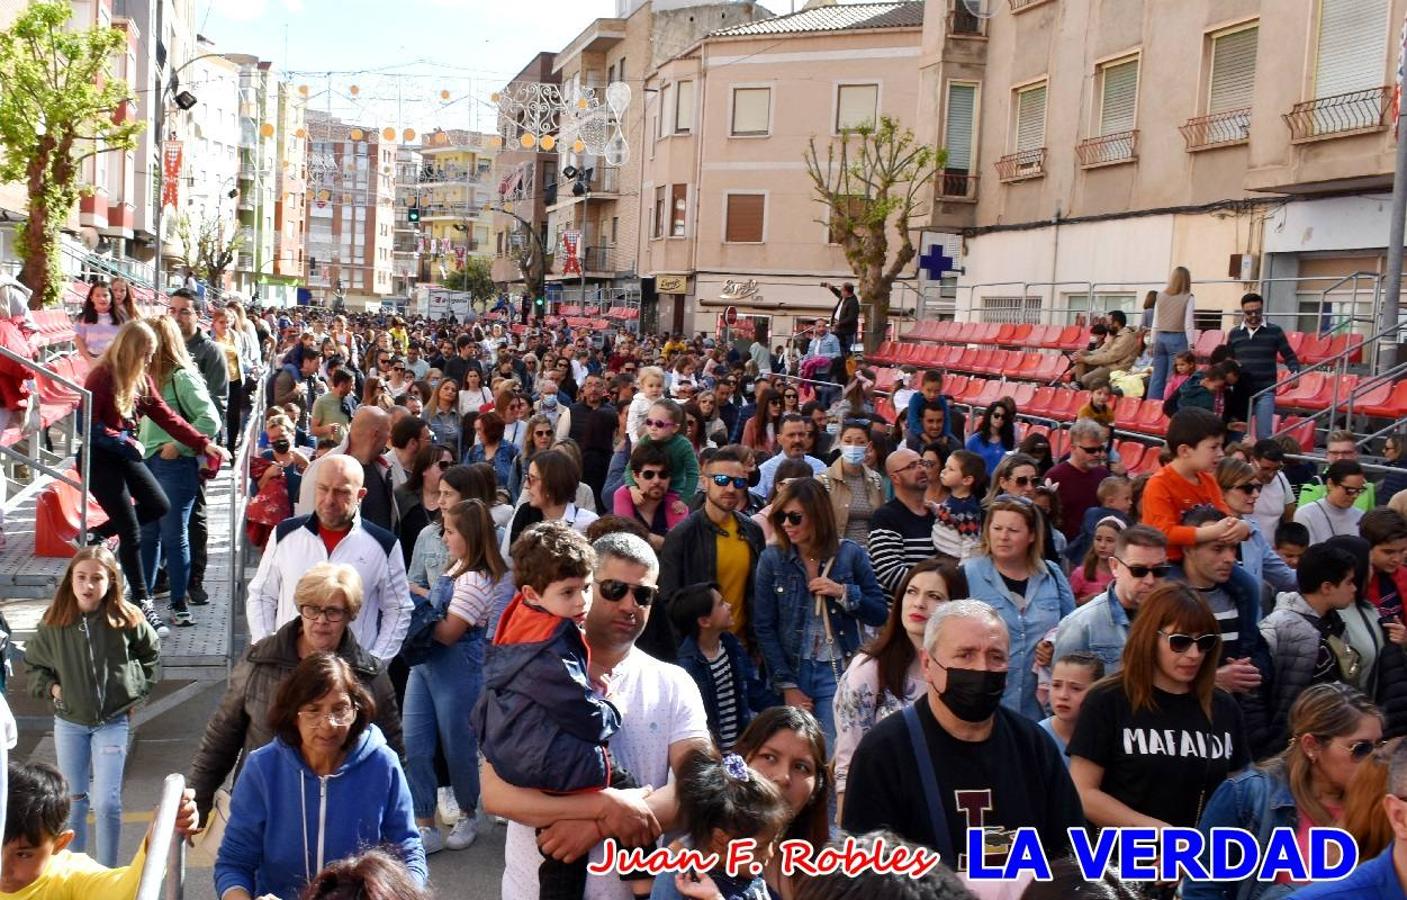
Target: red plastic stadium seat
(1126,413)
(1151,419)
(1021,334)
(1074,337)
(1022,393)
(1064,405)
(1130,453)
(1040,402)
(1208,341)
(1393,407)
(1059,442)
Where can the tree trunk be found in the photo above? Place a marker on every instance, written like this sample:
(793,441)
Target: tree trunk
(34,240)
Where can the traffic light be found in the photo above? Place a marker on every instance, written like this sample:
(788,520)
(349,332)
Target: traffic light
(413,215)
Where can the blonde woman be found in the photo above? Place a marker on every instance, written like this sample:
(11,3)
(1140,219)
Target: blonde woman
(175,467)
(122,299)
(1173,329)
(123,395)
(223,333)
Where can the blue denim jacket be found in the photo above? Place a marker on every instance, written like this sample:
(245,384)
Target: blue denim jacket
(782,603)
(1100,627)
(1258,801)
(502,461)
(1262,563)
(1376,878)
(1048,600)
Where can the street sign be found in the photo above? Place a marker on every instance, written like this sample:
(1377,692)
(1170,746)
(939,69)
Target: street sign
(934,262)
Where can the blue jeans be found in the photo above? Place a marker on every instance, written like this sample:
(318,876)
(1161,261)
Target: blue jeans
(816,679)
(1165,347)
(180,479)
(1263,412)
(439,696)
(94,756)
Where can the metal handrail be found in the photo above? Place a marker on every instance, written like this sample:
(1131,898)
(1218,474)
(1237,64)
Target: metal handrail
(1339,362)
(85,411)
(239,500)
(1366,384)
(158,866)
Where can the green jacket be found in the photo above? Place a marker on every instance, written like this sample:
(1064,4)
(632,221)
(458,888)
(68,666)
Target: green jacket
(186,393)
(104,671)
(683,466)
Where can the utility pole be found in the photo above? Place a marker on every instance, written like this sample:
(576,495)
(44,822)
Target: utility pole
(1392,284)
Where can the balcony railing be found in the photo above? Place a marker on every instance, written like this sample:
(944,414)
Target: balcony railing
(449,174)
(450,211)
(1217,130)
(1108,150)
(1018,5)
(1356,112)
(1021,165)
(956,184)
(962,23)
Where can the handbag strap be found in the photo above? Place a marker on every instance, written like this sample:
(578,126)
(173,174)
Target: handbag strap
(923,761)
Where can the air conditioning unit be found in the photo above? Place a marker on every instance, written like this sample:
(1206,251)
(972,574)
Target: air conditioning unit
(1244,267)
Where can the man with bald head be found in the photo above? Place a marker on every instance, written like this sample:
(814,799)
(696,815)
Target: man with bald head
(901,531)
(366,443)
(335,531)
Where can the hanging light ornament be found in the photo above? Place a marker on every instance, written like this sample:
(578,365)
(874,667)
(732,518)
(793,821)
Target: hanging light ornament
(356,134)
(301,133)
(303,89)
(354,90)
(408,135)
(547,142)
(444,95)
(266,130)
(527,140)
(388,134)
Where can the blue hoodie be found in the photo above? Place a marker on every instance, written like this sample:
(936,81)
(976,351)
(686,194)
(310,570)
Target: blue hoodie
(287,823)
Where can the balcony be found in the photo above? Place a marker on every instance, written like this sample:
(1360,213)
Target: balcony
(457,211)
(957,185)
(449,174)
(962,23)
(1108,150)
(1357,112)
(1022,165)
(1223,129)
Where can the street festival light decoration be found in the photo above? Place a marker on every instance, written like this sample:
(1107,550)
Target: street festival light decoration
(549,116)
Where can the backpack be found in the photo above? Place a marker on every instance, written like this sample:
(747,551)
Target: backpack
(428,611)
(273,377)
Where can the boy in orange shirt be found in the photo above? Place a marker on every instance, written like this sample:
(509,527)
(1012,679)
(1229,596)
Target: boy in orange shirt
(1195,438)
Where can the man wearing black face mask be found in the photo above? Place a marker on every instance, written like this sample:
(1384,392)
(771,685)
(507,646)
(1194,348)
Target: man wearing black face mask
(957,759)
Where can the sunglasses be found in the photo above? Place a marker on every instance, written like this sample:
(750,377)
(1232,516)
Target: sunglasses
(1096,451)
(791,518)
(789,396)
(1361,750)
(1353,491)
(1181,643)
(658,423)
(652,475)
(1025,480)
(1249,487)
(1159,571)
(736,481)
(615,591)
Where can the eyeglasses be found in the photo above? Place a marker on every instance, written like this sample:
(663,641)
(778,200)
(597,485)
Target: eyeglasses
(340,716)
(917,464)
(658,423)
(1161,570)
(1096,451)
(1249,487)
(791,518)
(183,311)
(1024,480)
(736,481)
(531,479)
(1353,491)
(652,475)
(1361,750)
(330,613)
(615,591)
(1181,643)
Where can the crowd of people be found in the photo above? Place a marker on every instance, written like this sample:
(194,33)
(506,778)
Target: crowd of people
(608,586)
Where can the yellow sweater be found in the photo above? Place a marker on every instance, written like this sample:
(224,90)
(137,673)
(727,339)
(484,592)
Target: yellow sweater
(77,876)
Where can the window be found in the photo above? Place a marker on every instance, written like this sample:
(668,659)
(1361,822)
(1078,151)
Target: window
(856,105)
(752,111)
(678,209)
(1233,70)
(1351,46)
(852,207)
(684,107)
(1011,309)
(1118,92)
(743,220)
(957,138)
(1030,118)
(659,212)
(666,109)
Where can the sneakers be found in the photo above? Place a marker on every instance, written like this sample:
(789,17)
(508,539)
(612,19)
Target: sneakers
(447,806)
(162,590)
(431,839)
(195,594)
(463,833)
(153,617)
(181,618)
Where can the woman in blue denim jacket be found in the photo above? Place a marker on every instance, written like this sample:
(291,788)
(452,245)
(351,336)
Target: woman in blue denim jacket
(490,447)
(1241,487)
(811,592)
(1031,594)
(1334,728)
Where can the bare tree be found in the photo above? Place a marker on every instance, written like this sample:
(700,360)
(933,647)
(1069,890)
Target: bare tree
(872,180)
(210,248)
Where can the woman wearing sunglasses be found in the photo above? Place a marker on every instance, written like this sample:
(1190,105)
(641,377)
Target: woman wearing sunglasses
(811,592)
(538,436)
(1240,488)
(1334,729)
(1127,772)
(418,500)
(1018,475)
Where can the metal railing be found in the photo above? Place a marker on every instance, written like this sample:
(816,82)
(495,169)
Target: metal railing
(165,870)
(85,420)
(955,184)
(1221,129)
(1342,114)
(1022,164)
(1109,149)
(242,474)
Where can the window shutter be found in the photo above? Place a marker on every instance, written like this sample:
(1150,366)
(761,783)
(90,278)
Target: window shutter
(1233,70)
(1352,43)
(962,100)
(745,213)
(679,209)
(684,98)
(750,110)
(1120,97)
(856,105)
(666,110)
(1030,119)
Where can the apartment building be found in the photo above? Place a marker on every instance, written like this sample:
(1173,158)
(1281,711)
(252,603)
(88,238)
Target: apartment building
(291,199)
(726,195)
(454,198)
(1094,146)
(351,196)
(406,269)
(606,211)
(526,184)
(210,181)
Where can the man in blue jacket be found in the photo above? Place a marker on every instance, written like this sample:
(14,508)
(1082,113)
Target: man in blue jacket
(1381,877)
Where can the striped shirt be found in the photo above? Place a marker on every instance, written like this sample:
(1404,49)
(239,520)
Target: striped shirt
(899,540)
(726,693)
(473,597)
(1228,619)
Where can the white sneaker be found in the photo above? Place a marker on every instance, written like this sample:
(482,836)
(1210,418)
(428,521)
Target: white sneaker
(431,838)
(463,833)
(448,806)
